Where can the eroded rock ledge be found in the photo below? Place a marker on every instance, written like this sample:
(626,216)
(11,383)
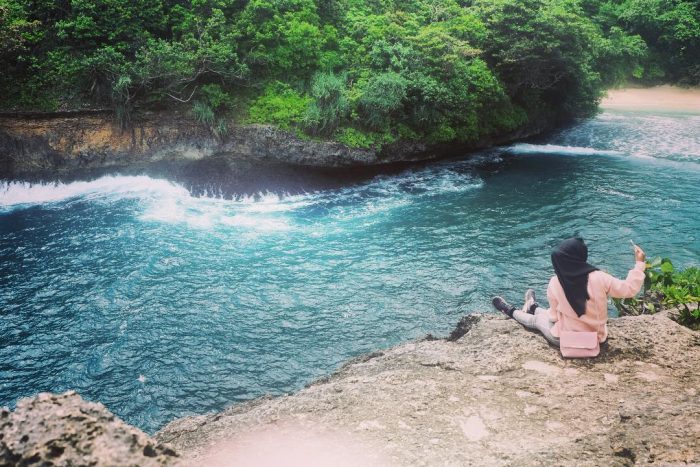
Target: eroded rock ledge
(499,395)
(63,142)
(64,429)
(495,394)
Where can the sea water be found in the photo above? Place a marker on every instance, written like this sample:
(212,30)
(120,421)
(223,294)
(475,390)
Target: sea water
(160,304)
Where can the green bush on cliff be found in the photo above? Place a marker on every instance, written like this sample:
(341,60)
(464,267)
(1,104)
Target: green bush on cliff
(666,287)
(363,139)
(441,70)
(384,95)
(330,105)
(280,105)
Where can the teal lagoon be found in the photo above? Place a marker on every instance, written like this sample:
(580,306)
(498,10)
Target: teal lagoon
(161,303)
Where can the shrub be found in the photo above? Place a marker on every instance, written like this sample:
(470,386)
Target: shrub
(330,105)
(442,134)
(203,113)
(383,97)
(279,104)
(666,287)
(363,139)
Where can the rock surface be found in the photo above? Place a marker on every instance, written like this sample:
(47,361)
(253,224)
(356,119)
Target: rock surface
(491,394)
(497,395)
(54,143)
(65,430)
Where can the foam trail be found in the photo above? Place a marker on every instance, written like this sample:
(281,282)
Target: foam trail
(208,213)
(526,148)
(167,202)
(24,193)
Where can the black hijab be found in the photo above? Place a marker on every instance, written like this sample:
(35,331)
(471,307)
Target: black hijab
(569,261)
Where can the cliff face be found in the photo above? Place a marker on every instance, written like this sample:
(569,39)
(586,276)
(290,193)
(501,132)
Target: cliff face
(36,144)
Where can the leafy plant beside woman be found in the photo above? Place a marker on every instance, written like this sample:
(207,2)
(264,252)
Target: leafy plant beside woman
(666,287)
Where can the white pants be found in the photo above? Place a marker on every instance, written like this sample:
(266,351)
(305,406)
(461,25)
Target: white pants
(539,321)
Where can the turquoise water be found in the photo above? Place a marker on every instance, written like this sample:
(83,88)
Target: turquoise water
(161,304)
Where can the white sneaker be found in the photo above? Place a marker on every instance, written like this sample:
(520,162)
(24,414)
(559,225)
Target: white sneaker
(530,302)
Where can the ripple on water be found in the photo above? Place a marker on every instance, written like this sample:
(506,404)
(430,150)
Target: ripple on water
(161,304)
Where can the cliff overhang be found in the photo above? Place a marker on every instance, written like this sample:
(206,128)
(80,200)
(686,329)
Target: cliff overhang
(65,142)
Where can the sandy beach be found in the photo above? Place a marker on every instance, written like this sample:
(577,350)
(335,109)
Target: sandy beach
(657,98)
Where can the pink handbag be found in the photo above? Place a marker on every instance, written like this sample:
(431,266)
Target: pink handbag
(578,344)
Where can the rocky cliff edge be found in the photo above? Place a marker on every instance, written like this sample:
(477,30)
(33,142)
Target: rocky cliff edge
(491,394)
(498,395)
(65,430)
(32,144)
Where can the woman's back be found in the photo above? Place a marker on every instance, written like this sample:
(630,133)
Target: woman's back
(601,285)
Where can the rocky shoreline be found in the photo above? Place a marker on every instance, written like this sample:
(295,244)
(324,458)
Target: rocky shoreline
(64,429)
(491,394)
(58,143)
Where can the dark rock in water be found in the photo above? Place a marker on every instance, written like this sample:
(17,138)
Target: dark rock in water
(464,326)
(64,430)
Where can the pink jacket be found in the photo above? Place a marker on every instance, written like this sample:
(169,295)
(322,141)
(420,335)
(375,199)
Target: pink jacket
(601,285)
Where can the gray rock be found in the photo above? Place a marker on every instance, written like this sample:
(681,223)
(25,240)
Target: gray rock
(65,430)
(498,395)
(39,144)
(492,394)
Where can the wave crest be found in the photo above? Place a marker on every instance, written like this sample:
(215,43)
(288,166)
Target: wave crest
(164,201)
(527,148)
(25,193)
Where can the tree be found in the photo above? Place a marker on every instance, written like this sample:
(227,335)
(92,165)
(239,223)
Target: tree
(330,104)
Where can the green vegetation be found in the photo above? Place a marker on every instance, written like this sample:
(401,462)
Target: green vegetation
(278,104)
(666,287)
(670,30)
(366,72)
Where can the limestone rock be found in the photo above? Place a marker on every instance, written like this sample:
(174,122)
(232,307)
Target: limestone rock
(69,142)
(65,430)
(498,395)
(491,394)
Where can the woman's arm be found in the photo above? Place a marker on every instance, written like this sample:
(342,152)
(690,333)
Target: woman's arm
(629,287)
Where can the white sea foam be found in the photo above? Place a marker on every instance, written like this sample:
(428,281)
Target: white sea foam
(25,193)
(168,202)
(208,213)
(665,139)
(526,148)
(161,201)
(610,191)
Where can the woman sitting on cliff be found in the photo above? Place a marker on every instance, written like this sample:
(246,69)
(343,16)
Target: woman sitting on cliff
(578,293)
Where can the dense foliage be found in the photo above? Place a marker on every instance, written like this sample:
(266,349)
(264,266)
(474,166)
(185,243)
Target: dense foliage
(361,71)
(665,287)
(670,29)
